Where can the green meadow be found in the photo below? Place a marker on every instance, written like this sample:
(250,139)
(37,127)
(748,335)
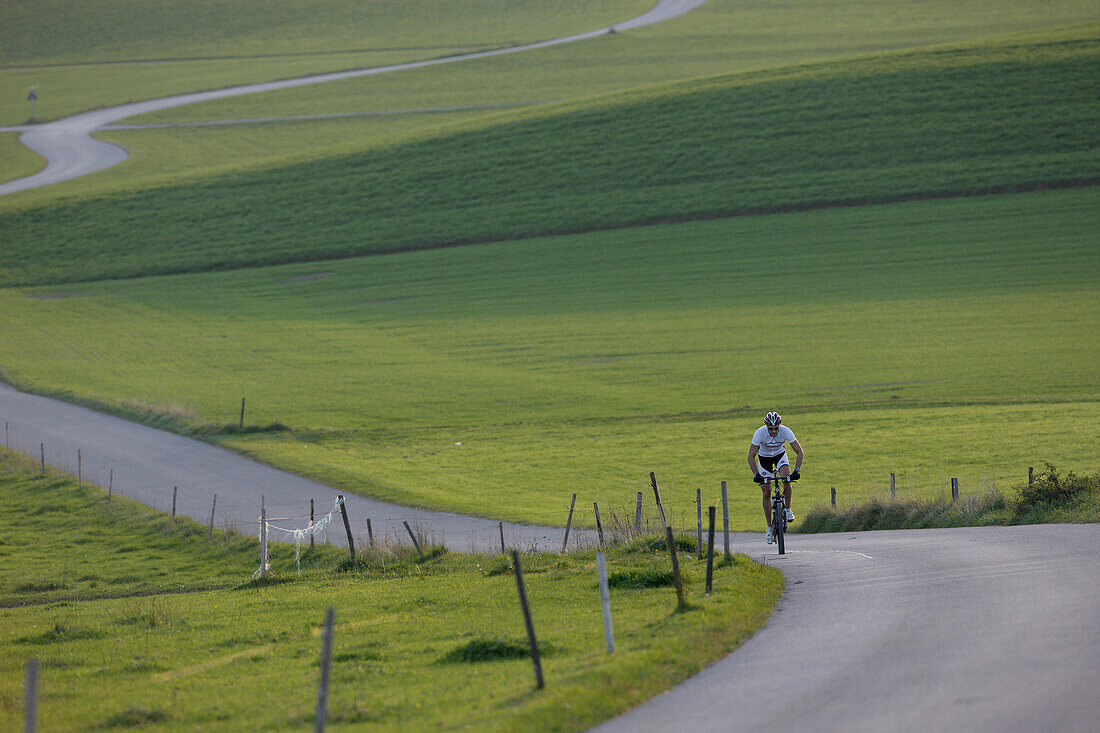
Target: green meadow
(153,624)
(930,339)
(84,56)
(499,282)
(885,127)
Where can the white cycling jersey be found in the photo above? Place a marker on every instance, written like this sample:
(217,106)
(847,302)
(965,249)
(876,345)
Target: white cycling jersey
(768,445)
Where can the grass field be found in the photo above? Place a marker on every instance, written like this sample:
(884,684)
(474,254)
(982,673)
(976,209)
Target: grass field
(617,353)
(154,625)
(882,127)
(85,56)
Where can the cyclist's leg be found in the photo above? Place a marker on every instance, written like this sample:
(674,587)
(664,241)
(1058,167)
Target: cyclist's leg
(785,473)
(766,468)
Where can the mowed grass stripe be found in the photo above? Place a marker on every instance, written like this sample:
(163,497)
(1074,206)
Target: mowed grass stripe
(891,126)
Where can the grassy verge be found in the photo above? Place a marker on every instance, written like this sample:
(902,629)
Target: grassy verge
(17,160)
(585,362)
(419,644)
(907,125)
(1051,498)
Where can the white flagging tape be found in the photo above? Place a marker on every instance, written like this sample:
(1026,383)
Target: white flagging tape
(321,525)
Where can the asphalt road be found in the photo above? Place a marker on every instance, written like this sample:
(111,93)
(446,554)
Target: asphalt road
(71,151)
(151,465)
(990,629)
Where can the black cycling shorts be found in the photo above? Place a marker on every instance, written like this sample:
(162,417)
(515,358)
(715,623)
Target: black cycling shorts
(768,463)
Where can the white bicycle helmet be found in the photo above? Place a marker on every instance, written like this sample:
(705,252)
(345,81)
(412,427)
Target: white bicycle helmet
(772,419)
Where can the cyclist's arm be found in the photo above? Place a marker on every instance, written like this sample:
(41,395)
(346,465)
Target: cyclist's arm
(753,449)
(799,453)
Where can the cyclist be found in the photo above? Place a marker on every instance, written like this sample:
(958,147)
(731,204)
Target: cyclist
(767,446)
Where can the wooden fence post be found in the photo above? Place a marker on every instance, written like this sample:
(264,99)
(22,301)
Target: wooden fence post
(638,515)
(79,470)
(30,696)
(699,523)
(213,506)
(311,520)
(675,567)
(599,526)
(1030,476)
(7,445)
(954,489)
(111,485)
(370,533)
(605,602)
(710,548)
(415,543)
(657,496)
(174,489)
(347,526)
(726,521)
(833,490)
(263,538)
(500,525)
(242,413)
(569,522)
(893,486)
(42,453)
(527,620)
(326,661)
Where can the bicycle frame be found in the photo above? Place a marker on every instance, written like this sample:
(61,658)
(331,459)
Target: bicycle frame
(779,511)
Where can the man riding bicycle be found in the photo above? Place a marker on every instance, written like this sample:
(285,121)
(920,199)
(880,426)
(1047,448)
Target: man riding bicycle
(767,446)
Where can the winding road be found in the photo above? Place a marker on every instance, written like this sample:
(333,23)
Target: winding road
(72,152)
(980,629)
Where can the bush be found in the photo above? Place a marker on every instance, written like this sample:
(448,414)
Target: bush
(1050,489)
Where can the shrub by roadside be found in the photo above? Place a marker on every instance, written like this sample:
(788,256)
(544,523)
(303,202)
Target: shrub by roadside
(1051,498)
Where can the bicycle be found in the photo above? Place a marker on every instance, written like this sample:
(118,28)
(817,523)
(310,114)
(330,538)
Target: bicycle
(779,509)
